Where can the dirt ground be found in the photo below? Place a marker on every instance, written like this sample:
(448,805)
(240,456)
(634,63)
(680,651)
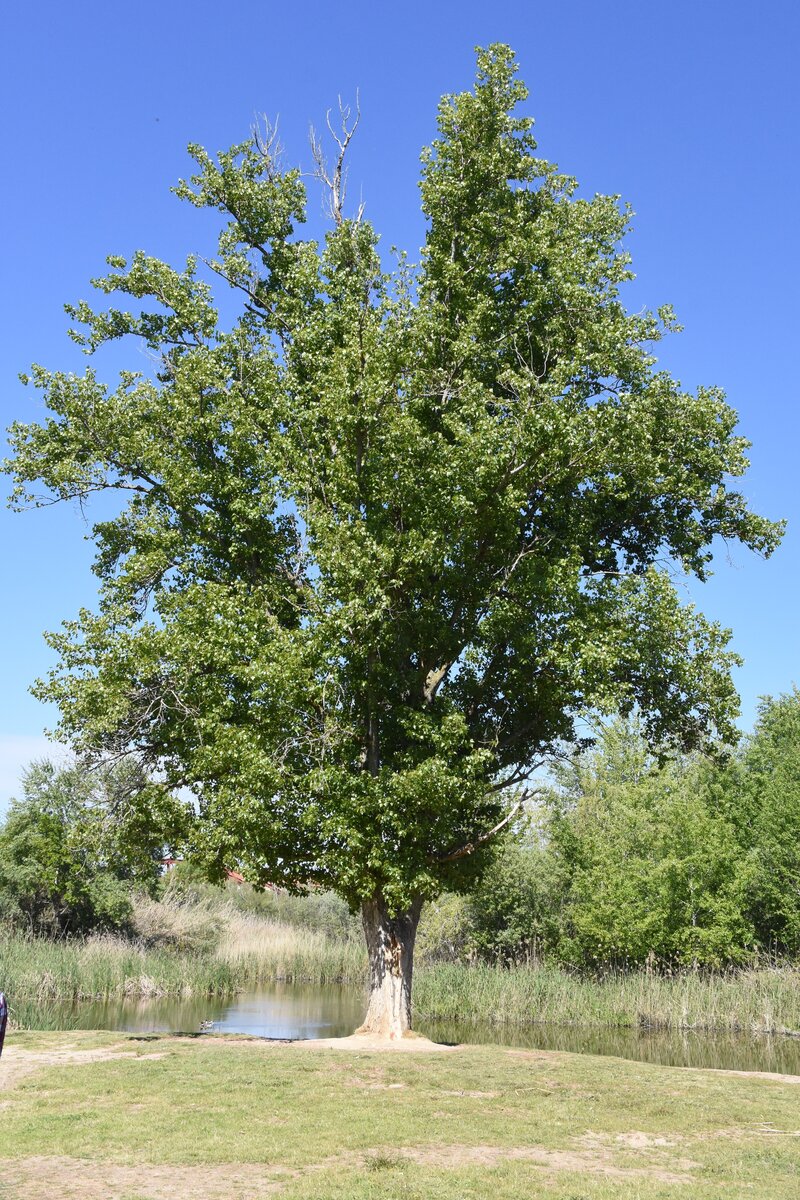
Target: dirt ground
(46,1177)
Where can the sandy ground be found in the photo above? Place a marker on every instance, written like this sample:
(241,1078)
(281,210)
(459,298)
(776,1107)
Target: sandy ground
(16,1062)
(773,1075)
(367,1041)
(46,1176)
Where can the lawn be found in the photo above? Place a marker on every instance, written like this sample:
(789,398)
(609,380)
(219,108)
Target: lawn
(145,1118)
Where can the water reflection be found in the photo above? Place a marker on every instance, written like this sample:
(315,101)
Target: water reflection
(280,1010)
(285,1010)
(676,1048)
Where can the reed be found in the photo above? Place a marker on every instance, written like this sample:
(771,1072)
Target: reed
(758,1000)
(258,950)
(105,966)
(217,947)
(178,949)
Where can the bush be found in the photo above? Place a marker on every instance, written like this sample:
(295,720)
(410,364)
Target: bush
(446,929)
(516,910)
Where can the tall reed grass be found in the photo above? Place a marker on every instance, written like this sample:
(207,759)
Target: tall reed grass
(762,1001)
(208,946)
(215,946)
(256,950)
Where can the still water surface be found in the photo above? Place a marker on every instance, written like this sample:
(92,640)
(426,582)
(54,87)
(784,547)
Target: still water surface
(285,1010)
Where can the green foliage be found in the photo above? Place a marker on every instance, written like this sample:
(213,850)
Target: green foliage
(517,909)
(653,868)
(389,535)
(684,860)
(78,842)
(762,795)
(446,929)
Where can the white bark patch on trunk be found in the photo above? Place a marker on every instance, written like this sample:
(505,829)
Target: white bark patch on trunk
(390,942)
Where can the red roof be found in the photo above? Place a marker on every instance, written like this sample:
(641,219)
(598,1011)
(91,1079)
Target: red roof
(234,876)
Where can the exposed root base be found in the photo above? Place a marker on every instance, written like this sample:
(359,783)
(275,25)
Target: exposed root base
(366,1040)
(368,1031)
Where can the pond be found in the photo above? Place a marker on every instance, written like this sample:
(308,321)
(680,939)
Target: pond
(284,1010)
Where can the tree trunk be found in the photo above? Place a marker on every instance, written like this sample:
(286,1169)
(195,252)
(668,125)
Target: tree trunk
(390,942)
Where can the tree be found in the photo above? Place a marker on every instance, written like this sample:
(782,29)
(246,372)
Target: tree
(517,909)
(761,797)
(77,843)
(390,533)
(651,864)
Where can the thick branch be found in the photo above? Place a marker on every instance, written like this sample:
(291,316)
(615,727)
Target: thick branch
(472,846)
(433,681)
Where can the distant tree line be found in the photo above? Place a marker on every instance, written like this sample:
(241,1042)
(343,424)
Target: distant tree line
(629,860)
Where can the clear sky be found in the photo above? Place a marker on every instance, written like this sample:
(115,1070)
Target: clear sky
(689,110)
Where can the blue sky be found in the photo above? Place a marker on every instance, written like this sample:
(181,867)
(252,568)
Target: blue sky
(689,110)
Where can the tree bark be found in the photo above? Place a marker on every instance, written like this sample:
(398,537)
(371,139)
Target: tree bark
(390,942)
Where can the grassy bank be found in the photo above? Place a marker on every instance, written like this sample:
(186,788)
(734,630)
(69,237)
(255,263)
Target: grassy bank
(220,1119)
(177,954)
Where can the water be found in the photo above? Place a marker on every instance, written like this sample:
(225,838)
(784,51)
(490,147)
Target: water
(278,1010)
(674,1048)
(284,1010)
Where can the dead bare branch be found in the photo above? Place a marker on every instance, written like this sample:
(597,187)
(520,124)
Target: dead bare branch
(336,180)
(472,846)
(267,143)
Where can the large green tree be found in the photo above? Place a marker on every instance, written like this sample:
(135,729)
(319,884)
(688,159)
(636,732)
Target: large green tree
(387,533)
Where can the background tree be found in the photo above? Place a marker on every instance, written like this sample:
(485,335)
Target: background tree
(684,860)
(78,842)
(760,795)
(388,535)
(650,864)
(518,910)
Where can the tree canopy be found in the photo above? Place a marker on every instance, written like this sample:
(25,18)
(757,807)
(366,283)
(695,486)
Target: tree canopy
(389,533)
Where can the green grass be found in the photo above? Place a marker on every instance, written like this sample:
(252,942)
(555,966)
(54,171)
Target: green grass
(221,1117)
